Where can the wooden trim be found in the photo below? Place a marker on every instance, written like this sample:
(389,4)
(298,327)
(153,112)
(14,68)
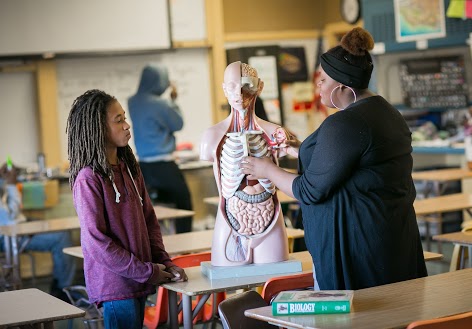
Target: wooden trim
(191,44)
(272,35)
(18,68)
(217,64)
(46,82)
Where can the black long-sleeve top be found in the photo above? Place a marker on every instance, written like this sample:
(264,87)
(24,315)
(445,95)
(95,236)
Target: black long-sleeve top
(356,195)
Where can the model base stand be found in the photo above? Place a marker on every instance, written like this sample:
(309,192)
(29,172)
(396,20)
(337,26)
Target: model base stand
(227,272)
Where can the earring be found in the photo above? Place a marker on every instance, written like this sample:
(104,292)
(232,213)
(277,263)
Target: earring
(339,86)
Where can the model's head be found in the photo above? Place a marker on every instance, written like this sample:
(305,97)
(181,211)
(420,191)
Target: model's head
(350,62)
(96,122)
(241,85)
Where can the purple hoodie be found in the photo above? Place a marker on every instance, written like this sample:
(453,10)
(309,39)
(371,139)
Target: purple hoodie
(121,242)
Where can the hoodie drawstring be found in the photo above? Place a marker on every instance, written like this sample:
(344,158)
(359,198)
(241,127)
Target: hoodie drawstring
(118,194)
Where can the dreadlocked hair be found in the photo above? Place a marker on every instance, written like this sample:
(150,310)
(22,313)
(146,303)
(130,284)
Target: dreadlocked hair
(87,136)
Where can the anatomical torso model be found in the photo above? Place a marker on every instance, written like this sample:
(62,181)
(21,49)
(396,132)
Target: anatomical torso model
(249,225)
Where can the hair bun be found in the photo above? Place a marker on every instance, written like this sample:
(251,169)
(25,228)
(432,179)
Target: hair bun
(357,41)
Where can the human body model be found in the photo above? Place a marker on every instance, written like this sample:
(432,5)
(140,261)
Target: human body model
(249,225)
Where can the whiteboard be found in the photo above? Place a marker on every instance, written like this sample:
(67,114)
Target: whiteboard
(188,20)
(19,133)
(29,27)
(120,75)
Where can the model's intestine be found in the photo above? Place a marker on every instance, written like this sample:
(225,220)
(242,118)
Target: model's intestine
(249,208)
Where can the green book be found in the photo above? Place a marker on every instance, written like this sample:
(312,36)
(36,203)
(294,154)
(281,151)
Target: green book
(301,302)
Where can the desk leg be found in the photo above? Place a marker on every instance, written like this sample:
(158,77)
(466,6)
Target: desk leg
(16,263)
(461,258)
(173,310)
(470,256)
(7,246)
(47,325)
(187,311)
(428,236)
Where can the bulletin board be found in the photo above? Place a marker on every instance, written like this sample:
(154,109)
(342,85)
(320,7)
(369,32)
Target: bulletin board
(120,75)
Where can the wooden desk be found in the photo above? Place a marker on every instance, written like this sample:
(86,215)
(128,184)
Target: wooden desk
(198,284)
(442,175)
(283,198)
(389,306)
(444,203)
(460,238)
(34,307)
(168,215)
(185,243)
(11,233)
(440,204)
(438,179)
(432,256)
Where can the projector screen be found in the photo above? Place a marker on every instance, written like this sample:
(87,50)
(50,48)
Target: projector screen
(87,26)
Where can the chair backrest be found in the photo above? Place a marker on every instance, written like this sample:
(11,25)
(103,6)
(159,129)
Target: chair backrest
(191,260)
(456,253)
(459,321)
(159,313)
(232,309)
(288,282)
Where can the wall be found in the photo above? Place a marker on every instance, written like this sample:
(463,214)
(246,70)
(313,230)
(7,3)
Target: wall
(208,41)
(119,76)
(19,116)
(278,15)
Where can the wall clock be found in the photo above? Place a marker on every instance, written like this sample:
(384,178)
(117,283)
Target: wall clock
(351,10)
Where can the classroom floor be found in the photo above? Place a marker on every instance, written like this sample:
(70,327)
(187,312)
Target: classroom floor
(434,267)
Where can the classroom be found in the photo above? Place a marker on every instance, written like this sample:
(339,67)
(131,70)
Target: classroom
(282,145)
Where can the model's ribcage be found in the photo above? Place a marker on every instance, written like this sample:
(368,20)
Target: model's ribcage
(251,209)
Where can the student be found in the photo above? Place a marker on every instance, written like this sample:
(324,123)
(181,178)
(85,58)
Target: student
(155,120)
(63,265)
(124,257)
(354,183)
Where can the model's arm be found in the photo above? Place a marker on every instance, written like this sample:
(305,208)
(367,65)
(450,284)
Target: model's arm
(207,145)
(99,245)
(283,142)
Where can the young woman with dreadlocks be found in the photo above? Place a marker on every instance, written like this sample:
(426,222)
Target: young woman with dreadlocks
(124,256)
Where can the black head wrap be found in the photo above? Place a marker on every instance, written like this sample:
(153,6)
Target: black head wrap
(346,68)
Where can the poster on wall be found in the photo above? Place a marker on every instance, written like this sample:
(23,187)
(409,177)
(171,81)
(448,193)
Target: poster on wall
(419,20)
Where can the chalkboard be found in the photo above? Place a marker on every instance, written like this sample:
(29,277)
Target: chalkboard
(438,82)
(57,26)
(119,76)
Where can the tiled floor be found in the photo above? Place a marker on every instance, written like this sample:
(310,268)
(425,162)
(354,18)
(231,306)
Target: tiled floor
(434,267)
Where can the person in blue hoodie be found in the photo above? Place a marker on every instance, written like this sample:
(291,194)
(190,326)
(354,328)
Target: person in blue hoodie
(155,120)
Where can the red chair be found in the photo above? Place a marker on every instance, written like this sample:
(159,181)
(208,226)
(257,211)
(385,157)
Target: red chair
(158,314)
(289,282)
(459,321)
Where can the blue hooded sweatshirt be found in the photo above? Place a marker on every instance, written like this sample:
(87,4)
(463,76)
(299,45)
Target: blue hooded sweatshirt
(154,119)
